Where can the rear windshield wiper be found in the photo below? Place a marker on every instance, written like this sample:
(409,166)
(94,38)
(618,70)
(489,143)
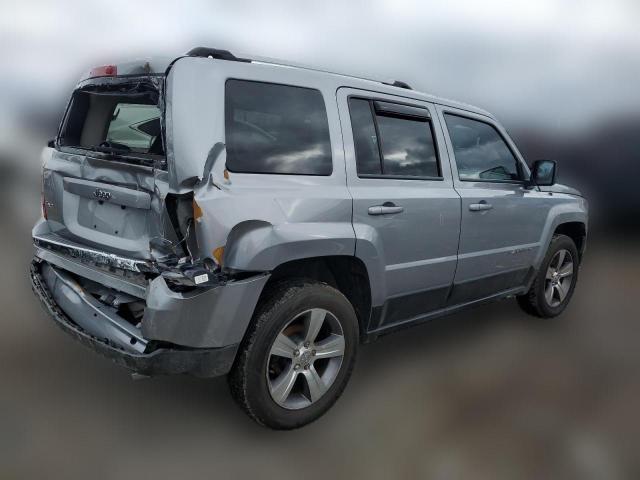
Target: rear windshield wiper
(111,147)
(115,152)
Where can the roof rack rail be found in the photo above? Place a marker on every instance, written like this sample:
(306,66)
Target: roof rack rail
(215,53)
(399,84)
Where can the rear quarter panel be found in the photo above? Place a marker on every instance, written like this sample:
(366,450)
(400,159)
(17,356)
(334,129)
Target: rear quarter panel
(263,220)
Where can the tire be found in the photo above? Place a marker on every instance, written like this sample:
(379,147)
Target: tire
(292,309)
(537,301)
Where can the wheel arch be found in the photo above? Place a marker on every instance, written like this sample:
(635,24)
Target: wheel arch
(345,273)
(576,231)
(568,220)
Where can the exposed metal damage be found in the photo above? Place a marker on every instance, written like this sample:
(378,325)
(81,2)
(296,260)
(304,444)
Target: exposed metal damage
(117,253)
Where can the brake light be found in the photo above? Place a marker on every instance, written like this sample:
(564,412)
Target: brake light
(104,71)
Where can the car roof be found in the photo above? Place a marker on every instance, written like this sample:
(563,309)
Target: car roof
(159,65)
(374,85)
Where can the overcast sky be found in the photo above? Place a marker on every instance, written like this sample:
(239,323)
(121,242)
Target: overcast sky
(567,62)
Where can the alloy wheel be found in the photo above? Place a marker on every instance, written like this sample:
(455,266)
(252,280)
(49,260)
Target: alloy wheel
(305,359)
(558,278)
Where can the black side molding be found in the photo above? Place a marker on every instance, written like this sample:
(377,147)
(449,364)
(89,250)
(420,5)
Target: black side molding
(215,53)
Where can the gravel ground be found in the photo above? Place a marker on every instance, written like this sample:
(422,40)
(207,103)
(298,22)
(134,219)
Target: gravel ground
(487,394)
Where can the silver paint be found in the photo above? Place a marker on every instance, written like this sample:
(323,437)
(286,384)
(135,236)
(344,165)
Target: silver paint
(436,238)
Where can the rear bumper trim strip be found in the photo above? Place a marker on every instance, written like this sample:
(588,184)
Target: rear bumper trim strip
(75,250)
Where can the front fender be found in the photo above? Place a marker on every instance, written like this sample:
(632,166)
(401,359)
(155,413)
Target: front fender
(559,214)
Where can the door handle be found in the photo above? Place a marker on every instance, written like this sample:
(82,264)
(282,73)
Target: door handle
(479,207)
(385,208)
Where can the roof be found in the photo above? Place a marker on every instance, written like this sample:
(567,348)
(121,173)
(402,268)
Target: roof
(376,85)
(159,65)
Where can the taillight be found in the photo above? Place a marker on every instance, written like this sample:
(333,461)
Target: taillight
(104,71)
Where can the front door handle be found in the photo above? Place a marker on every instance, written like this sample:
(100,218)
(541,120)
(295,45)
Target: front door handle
(385,208)
(479,207)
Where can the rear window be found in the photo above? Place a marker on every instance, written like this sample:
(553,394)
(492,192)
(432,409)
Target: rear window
(277,129)
(122,119)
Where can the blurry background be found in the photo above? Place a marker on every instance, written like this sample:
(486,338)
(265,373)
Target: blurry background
(490,393)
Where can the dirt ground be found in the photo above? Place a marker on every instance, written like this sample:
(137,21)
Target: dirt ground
(487,394)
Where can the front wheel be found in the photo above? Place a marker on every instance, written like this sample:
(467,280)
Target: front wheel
(556,280)
(297,355)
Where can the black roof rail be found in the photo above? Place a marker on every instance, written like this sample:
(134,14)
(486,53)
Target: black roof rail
(399,84)
(215,53)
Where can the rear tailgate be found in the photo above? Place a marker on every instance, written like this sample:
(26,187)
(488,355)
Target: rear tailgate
(109,205)
(103,185)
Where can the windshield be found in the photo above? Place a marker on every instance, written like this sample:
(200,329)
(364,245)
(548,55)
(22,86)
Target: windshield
(116,119)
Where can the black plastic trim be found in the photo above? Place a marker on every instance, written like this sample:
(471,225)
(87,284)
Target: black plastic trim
(486,285)
(398,177)
(404,111)
(373,335)
(399,84)
(207,52)
(413,304)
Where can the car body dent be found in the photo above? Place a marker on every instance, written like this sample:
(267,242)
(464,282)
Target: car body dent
(69,177)
(213,317)
(93,316)
(191,121)
(266,247)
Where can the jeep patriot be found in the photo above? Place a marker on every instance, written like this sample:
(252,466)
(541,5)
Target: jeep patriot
(215,215)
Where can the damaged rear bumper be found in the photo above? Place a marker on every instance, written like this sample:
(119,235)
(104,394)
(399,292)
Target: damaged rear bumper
(97,326)
(208,362)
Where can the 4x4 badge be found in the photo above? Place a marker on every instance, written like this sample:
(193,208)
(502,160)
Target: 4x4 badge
(102,194)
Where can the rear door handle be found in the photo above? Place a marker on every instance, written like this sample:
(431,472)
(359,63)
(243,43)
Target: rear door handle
(479,207)
(385,208)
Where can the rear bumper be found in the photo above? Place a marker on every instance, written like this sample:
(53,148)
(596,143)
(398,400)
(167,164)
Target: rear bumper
(202,362)
(210,316)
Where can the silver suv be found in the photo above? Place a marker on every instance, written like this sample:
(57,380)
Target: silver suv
(216,215)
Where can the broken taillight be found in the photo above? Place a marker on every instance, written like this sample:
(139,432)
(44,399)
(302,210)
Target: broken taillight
(104,71)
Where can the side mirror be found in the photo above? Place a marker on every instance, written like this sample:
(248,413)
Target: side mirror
(543,173)
(51,143)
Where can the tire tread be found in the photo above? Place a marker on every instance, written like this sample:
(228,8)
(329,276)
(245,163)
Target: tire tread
(238,378)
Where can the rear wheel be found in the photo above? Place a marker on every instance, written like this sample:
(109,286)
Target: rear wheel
(297,355)
(556,280)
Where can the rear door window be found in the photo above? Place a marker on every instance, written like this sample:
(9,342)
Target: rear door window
(277,129)
(393,140)
(480,151)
